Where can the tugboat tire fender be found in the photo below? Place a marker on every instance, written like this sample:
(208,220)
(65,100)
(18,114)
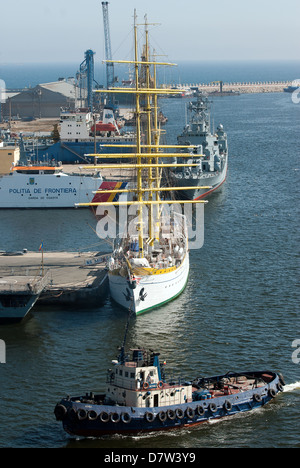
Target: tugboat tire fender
(104,417)
(180,413)
(115,417)
(92,415)
(281,379)
(257,397)
(280,387)
(72,414)
(213,407)
(126,418)
(81,414)
(227,406)
(60,412)
(171,414)
(272,392)
(200,410)
(190,413)
(149,416)
(162,416)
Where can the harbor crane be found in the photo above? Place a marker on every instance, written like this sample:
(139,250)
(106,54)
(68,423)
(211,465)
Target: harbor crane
(110,74)
(86,79)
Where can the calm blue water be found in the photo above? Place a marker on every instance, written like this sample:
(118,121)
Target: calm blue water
(240,309)
(20,75)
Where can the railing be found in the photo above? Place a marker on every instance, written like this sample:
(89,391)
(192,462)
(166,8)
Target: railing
(35,285)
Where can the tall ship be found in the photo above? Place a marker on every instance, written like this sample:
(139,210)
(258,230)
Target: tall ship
(208,158)
(150,264)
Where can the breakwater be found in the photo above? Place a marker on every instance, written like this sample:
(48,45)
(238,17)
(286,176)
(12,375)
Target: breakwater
(237,87)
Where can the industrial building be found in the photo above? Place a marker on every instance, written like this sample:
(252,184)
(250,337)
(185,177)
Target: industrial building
(42,101)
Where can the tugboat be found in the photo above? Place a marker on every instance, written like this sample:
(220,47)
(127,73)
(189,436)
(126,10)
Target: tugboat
(140,398)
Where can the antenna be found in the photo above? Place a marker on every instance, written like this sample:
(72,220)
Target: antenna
(122,352)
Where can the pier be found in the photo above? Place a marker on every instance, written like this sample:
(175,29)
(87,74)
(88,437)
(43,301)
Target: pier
(73,279)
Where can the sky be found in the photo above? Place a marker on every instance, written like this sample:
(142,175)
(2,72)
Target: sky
(193,30)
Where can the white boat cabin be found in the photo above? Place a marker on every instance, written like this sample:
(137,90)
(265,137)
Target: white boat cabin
(139,382)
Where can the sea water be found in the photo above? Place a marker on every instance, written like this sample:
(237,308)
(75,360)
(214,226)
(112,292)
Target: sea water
(240,310)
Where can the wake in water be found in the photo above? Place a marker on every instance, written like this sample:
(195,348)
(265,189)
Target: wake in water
(291,387)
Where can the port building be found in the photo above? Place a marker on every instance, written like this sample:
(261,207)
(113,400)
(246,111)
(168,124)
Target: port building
(42,101)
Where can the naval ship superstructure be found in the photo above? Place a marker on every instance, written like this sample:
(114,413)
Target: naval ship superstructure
(209,156)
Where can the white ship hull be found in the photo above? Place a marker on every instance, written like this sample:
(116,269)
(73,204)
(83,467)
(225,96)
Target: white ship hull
(20,190)
(152,290)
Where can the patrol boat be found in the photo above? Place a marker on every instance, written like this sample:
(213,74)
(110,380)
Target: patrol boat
(141,398)
(50,186)
(209,158)
(19,293)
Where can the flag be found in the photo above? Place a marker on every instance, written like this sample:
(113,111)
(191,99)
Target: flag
(41,246)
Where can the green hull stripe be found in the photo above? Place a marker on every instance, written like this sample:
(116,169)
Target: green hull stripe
(164,302)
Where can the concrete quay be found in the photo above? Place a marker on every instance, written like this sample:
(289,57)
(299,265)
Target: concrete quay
(73,279)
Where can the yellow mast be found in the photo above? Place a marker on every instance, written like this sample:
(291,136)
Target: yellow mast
(149,134)
(138,141)
(152,157)
(156,146)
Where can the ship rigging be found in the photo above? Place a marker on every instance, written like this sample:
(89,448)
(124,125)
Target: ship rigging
(155,250)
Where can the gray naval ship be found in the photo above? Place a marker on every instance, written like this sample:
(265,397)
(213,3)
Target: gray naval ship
(209,156)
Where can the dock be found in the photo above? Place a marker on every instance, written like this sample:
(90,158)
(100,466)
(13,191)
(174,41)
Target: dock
(73,279)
